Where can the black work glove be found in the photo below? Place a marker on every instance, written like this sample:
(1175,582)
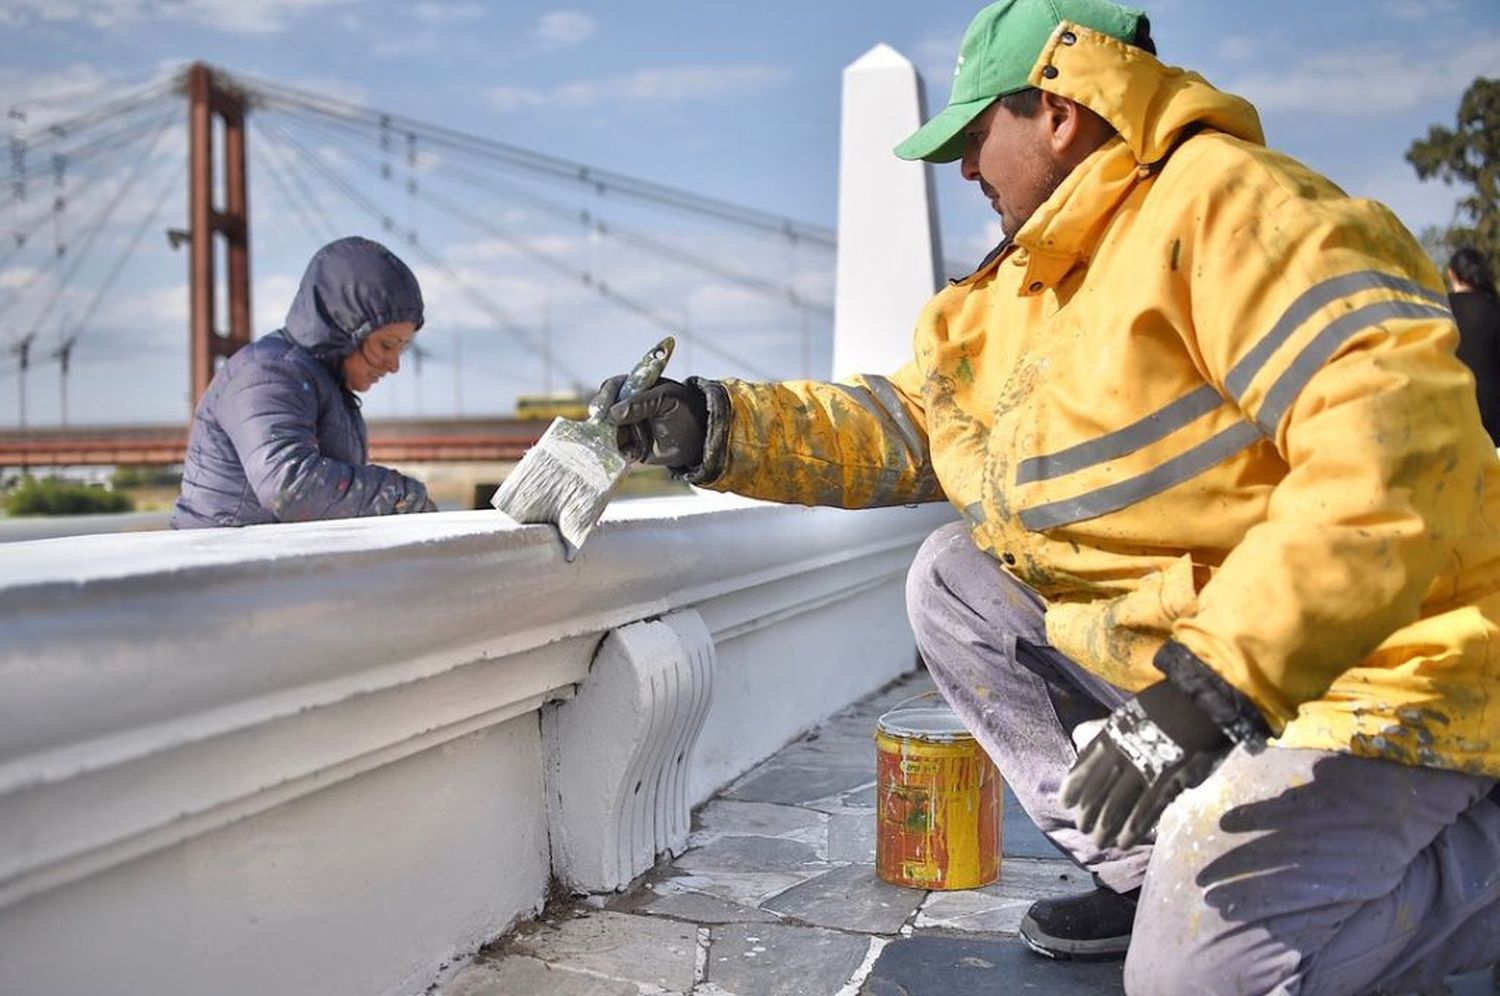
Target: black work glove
(665,424)
(1151,748)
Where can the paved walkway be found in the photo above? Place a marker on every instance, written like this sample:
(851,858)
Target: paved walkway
(777,896)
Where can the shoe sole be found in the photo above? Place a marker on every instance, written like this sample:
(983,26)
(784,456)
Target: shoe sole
(1062,949)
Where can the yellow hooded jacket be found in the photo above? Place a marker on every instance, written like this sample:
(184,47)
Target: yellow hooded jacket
(1203,395)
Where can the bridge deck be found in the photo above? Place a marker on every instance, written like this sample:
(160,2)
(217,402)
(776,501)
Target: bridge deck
(391,441)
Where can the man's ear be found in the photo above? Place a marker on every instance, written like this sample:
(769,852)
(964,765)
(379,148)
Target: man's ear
(1064,121)
(1072,130)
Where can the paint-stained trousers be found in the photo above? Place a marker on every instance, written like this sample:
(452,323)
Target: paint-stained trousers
(1288,871)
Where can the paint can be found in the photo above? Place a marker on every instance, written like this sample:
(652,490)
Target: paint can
(938,802)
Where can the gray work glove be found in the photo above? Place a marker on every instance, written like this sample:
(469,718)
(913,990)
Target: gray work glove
(1151,748)
(666,424)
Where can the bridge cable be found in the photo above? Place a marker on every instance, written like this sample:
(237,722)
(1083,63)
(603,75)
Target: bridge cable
(287,98)
(784,294)
(494,310)
(272,160)
(623,301)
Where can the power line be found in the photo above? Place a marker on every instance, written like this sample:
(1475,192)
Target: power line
(80,328)
(97,226)
(21,234)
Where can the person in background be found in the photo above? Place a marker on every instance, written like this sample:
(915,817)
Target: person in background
(278,435)
(1476,309)
(1223,599)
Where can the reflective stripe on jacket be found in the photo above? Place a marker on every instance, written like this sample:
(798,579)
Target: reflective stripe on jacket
(1207,396)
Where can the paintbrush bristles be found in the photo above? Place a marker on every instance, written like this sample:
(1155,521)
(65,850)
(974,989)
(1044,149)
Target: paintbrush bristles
(566,478)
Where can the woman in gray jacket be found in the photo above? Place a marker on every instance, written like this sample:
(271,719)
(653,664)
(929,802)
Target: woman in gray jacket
(278,436)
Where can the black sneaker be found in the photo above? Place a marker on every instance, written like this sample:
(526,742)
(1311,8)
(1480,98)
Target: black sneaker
(1092,927)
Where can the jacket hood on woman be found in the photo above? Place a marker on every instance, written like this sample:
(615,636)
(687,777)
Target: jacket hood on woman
(351,288)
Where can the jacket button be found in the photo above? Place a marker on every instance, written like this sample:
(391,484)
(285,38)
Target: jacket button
(1050,72)
(1009,558)
(1068,38)
(1036,285)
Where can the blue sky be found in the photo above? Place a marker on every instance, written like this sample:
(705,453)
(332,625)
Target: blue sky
(733,101)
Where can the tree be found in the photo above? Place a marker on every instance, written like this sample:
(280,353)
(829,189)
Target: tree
(1469,154)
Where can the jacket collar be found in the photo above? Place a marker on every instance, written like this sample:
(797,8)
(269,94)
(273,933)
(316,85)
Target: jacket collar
(1153,108)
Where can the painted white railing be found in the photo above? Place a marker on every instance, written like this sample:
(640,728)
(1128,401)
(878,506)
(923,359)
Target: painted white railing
(338,757)
(311,758)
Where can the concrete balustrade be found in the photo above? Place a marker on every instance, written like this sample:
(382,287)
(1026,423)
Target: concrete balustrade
(309,758)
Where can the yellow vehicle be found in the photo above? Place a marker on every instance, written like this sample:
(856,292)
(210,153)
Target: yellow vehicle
(562,404)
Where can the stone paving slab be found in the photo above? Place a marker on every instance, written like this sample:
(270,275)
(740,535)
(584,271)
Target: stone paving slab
(519,974)
(793,784)
(671,898)
(776,960)
(719,817)
(1020,836)
(745,888)
(751,854)
(848,898)
(636,949)
(998,908)
(924,965)
(851,837)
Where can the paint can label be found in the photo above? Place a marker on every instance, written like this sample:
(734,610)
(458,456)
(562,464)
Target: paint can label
(938,809)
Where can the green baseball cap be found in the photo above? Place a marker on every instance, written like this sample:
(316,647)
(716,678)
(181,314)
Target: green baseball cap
(998,51)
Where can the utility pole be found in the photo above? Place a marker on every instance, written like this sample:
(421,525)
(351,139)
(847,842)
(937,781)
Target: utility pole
(22,348)
(63,354)
(209,98)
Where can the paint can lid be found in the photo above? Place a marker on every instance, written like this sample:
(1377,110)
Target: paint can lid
(937,723)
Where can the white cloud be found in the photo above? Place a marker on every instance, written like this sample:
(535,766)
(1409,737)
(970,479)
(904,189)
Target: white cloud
(1369,81)
(1239,48)
(13,277)
(1418,10)
(421,43)
(934,60)
(22,87)
(663,85)
(233,16)
(432,12)
(271,297)
(562,29)
(157,316)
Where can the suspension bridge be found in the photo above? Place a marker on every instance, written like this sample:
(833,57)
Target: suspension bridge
(533,265)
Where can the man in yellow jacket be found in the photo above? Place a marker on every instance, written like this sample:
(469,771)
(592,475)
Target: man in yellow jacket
(1229,520)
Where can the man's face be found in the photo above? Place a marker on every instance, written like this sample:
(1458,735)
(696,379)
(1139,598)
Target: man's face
(1010,158)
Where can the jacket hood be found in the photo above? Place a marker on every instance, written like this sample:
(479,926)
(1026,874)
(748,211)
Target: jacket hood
(1151,105)
(351,287)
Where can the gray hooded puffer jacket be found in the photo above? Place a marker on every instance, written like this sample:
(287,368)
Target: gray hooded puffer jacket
(277,436)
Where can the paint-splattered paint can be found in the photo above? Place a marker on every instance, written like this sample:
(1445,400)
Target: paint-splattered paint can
(938,802)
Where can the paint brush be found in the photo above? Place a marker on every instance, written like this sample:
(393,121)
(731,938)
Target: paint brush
(569,475)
